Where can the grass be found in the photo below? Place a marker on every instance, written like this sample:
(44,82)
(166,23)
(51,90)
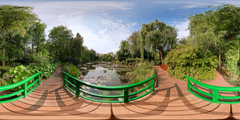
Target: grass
(5,67)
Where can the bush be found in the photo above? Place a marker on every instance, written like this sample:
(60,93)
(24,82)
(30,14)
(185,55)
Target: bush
(132,61)
(46,69)
(41,57)
(21,72)
(71,69)
(142,72)
(15,75)
(191,61)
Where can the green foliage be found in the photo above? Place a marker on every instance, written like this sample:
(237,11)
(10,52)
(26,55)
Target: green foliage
(46,69)
(123,53)
(107,57)
(142,72)
(132,61)
(15,75)
(191,61)
(41,57)
(37,33)
(60,40)
(14,20)
(5,67)
(232,57)
(21,72)
(156,36)
(71,69)
(135,48)
(213,29)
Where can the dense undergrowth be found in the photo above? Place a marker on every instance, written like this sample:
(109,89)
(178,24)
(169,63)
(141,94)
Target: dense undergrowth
(71,69)
(21,72)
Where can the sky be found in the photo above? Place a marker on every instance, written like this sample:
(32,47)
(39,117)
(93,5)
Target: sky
(103,24)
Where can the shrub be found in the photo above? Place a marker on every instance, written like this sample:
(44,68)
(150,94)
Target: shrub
(71,69)
(191,61)
(142,72)
(46,69)
(21,72)
(15,75)
(132,61)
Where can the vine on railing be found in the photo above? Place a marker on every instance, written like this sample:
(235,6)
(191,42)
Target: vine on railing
(125,89)
(23,92)
(213,94)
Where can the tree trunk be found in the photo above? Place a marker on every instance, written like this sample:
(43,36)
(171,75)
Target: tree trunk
(219,57)
(32,48)
(231,37)
(161,54)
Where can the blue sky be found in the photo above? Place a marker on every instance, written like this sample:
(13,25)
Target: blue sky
(103,24)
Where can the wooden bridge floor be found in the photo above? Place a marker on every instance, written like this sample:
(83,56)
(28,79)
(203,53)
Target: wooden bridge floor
(169,101)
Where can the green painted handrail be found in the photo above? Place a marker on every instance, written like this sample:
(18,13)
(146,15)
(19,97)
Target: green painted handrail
(125,89)
(23,92)
(213,95)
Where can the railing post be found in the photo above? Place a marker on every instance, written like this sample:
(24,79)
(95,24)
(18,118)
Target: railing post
(25,89)
(125,92)
(39,79)
(153,84)
(188,85)
(215,96)
(77,89)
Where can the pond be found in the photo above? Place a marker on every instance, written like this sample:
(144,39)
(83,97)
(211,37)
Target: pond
(104,74)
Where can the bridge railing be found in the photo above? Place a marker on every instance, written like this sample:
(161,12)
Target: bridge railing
(125,89)
(214,92)
(25,89)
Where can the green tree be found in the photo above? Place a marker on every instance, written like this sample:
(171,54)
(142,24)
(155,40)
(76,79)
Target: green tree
(134,44)
(60,39)
(156,36)
(213,29)
(77,48)
(123,53)
(37,33)
(14,20)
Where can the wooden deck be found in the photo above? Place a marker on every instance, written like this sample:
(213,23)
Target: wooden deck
(169,101)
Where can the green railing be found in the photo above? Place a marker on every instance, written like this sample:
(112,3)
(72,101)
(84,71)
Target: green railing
(24,90)
(125,89)
(213,94)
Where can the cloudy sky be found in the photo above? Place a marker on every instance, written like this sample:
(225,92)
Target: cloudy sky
(103,24)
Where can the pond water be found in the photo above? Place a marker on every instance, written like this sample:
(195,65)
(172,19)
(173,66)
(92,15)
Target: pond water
(104,74)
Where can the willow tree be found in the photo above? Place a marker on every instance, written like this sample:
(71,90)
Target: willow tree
(14,20)
(157,36)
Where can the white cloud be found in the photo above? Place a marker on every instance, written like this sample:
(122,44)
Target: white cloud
(182,28)
(237,3)
(101,31)
(189,4)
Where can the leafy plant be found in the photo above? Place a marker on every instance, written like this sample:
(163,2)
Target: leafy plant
(71,69)
(15,75)
(191,61)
